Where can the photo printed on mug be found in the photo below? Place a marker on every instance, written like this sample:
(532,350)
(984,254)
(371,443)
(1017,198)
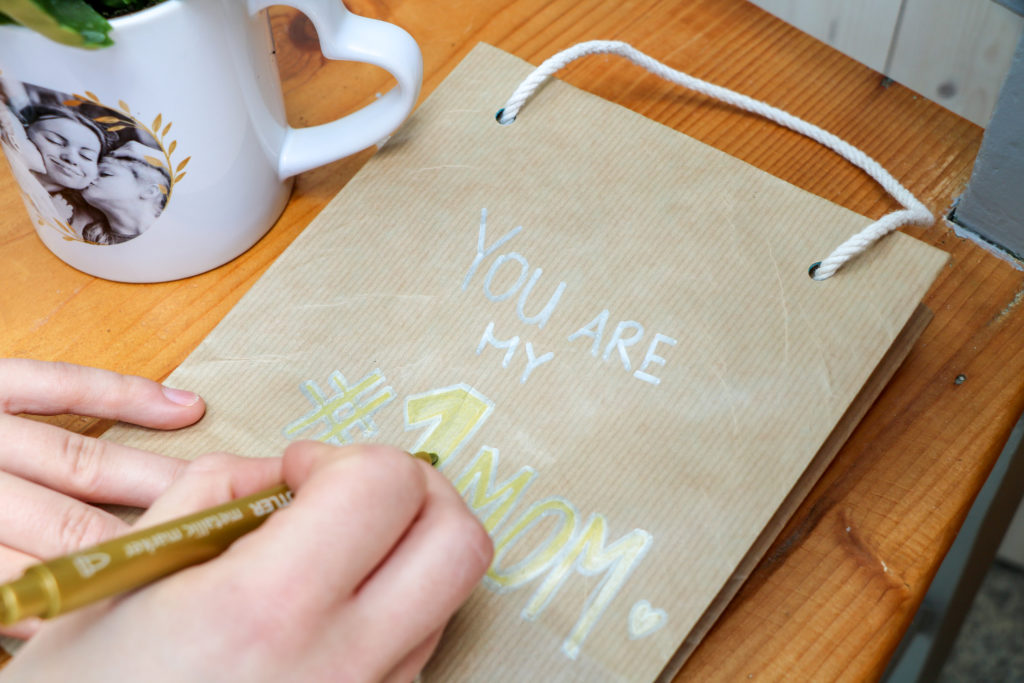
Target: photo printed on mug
(93,173)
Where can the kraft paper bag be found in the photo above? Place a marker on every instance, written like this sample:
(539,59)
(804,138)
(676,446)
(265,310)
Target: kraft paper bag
(607,332)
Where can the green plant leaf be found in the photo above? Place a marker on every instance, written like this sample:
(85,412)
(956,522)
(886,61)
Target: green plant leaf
(70,22)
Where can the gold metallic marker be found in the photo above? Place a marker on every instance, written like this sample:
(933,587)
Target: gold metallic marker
(125,563)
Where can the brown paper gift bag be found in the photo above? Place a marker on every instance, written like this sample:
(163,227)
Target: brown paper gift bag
(607,332)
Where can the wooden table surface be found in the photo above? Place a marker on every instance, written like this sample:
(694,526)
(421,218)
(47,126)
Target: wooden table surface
(838,589)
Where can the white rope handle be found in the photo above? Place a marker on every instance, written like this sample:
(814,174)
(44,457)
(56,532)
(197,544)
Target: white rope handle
(913,212)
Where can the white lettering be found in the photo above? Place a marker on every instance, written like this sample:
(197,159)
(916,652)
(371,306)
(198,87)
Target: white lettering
(201,528)
(533,361)
(481,252)
(524,269)
(652,357)
(150,544)
(87,565)
(510,344)
(593,329)
(619,341)
(264,506)
(541,318)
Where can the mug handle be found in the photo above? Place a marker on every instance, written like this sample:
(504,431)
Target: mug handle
(344,35)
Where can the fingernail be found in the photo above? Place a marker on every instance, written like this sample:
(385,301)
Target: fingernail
(182,398)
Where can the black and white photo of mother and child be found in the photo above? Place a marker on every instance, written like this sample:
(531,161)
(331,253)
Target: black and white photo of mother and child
(103,179)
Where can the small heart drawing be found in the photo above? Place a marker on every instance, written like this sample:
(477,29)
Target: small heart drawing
(645,620)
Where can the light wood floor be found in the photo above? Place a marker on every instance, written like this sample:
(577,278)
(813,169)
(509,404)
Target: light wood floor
(955,52)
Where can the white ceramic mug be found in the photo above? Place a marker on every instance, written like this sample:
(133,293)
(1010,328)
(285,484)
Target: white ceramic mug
(169,154)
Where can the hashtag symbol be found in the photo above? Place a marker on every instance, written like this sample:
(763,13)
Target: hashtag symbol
(346,410)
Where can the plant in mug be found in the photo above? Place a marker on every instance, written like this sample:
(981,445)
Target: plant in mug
(94,173)
(80,23)
(98,140)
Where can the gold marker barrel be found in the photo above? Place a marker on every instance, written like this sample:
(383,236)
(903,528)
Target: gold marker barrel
(128,562)
(125,563)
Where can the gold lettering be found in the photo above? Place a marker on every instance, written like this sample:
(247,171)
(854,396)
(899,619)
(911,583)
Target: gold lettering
(588,556)
(543,555)
(491,504)
(451,415)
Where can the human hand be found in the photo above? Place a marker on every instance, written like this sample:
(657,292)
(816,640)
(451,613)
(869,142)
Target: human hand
(353,581)
(12,134)
(49,476)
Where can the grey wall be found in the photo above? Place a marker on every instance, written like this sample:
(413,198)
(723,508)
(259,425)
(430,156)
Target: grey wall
(993,205)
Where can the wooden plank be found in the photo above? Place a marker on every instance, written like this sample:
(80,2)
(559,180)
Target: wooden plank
(821,605)
(863,30)
(956,52)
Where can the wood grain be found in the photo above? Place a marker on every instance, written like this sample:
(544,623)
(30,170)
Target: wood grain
(841,584)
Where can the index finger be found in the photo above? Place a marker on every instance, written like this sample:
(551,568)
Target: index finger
(45,388)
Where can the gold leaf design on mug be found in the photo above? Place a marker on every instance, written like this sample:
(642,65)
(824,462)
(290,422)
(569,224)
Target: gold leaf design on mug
(122,121)
(68,233)
(114,124)
(168,148)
